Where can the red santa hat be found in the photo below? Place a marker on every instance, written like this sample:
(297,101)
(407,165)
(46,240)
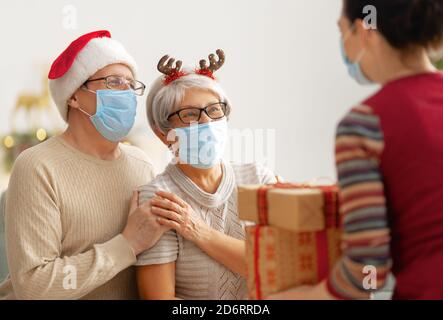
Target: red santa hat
(84,57)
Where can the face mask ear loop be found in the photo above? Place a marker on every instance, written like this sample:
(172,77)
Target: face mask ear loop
(81,110)
(83,87)
(172,145)
(348,32)
(87,90)
(347,35)
(360,56)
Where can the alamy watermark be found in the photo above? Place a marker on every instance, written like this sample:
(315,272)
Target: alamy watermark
(370,20)
(70,278)
(370,280)
(241,146)
(69,21)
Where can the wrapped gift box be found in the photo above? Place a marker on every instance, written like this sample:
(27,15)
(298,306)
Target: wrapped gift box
(287,206)
(279,259)
(297,237)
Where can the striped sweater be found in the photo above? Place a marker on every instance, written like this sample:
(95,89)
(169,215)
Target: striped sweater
(359,145)
(389,158)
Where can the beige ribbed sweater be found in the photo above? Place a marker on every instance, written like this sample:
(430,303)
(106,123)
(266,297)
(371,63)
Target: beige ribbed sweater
(64,214)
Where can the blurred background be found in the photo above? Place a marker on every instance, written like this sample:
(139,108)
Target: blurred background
(284,72)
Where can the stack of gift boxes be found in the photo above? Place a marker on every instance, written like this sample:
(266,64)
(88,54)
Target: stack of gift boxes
(296,236)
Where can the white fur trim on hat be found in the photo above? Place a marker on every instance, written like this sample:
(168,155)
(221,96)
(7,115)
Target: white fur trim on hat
(97,54)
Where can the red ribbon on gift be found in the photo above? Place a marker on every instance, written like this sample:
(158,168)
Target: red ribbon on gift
(331,221)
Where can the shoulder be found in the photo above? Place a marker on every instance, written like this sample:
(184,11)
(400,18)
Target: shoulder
(359,136)
(35,167)
(136,154)
(390,96)
(44,155)
(360,121)
(162,181)
(252,173)
(139,160)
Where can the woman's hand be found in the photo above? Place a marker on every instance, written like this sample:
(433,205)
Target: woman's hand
(142,230)
(316,292)
(177,214)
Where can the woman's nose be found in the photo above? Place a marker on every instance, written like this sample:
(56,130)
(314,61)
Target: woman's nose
(204,118)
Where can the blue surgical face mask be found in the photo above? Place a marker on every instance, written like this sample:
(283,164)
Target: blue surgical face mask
(354,68)
(202,145)
(115,114)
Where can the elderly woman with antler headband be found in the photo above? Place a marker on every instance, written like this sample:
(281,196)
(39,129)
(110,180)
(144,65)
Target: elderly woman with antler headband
(203,254)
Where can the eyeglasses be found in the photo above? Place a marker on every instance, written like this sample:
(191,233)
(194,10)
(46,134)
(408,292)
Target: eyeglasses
(214,111)
(121,83)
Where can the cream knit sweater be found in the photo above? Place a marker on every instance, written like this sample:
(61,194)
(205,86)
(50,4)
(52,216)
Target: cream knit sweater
(64,214)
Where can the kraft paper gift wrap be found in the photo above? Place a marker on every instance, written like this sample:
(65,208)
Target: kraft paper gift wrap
(279,259)
(290,207)
(297,239)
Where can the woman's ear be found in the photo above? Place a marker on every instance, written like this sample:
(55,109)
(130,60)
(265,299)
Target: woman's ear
(169,139)
(164,137)
(363,32)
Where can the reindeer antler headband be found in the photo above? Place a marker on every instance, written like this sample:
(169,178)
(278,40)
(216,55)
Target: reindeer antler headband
(173,72)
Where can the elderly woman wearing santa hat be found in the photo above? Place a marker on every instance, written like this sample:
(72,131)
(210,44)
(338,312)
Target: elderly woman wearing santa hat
(68,233)
(203,255)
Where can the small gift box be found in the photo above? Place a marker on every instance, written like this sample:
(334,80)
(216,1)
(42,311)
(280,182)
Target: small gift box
(287,206)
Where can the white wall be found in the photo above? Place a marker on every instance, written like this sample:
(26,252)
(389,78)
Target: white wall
(283,70)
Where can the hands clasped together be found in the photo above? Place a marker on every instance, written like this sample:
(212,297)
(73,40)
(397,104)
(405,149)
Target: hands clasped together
(148,221)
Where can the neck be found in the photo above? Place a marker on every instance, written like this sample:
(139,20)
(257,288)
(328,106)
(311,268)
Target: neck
(400,64)
(89,141)
(206,179)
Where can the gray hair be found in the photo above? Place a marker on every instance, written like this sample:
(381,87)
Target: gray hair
(164,99)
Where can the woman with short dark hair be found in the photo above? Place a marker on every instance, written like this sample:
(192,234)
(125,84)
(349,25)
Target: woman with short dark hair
(389,154)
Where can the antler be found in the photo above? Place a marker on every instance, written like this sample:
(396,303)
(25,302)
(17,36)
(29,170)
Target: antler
(214,65)
(165,65)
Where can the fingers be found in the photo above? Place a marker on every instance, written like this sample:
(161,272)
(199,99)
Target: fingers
(137,197)
(172,197)
(166,204)
(167,214)
(168,223)
(134,202)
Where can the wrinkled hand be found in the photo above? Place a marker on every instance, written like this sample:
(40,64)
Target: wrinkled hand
(316,292)
(142,229)
(177,214)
